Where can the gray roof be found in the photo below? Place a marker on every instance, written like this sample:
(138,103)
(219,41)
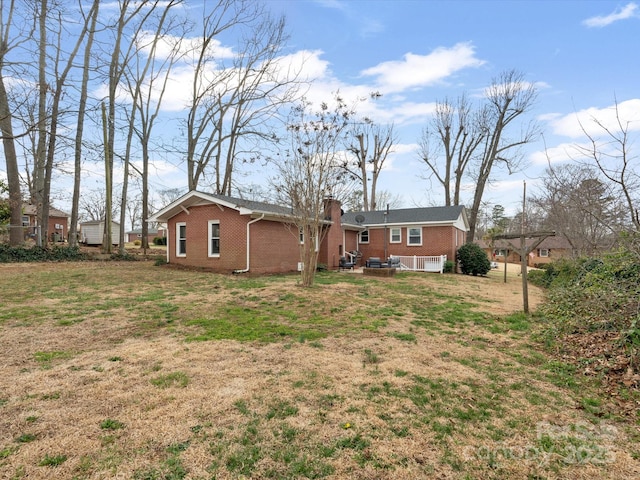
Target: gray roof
(254,205)
(406,216)
(195,197)
(30,209)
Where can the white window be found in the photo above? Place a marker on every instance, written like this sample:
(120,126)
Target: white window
(181,239)
(302,239)
(214,238)
(415,236)
(395,235)
(364,236)
(25,221)
(543,252)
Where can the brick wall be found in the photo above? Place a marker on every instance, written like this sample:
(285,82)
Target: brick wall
(332,248)
(273,247)
(437,240)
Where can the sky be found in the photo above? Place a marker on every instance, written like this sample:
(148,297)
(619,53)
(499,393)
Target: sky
(582,56)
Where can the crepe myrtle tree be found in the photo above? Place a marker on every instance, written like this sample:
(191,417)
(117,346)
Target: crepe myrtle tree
(309,171)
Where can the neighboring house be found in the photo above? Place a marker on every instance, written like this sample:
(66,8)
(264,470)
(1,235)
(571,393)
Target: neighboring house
(136,234)
(234,235)
(57,228)
(551,249)
(92,232)
(410,231)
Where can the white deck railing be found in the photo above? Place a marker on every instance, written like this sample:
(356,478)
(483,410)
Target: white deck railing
(422,263)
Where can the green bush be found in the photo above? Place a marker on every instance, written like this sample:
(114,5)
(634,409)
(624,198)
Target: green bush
(449,266)
(473,260)
(160,241)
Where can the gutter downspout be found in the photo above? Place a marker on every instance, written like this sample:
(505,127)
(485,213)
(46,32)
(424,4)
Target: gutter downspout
(245,270)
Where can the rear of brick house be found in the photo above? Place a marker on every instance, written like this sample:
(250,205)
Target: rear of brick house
(228,234)
(431,231)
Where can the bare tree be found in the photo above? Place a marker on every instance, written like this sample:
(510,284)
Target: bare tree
(612,155)
(310,172)
(8,44)
(92,205)
(370,144)
(50,93)
(146,77)
(449,144)
(130,22)
(468,143)
(231,103)
(508,97)
(580,207)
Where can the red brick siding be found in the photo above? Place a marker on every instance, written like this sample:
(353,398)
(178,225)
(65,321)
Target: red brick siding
(437,240)
(332,248)
(273,247)
(63,222)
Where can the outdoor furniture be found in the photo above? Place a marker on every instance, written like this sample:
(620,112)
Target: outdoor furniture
(374,262)
(393,262)
(346,265)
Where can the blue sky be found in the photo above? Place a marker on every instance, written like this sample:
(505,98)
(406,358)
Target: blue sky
(582,55)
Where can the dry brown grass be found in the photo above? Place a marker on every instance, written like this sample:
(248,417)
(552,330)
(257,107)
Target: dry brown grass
(417,402)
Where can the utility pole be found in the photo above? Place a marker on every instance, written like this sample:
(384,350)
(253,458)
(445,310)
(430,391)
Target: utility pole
(523,249)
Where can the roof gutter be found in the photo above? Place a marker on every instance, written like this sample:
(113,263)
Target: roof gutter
(245,270)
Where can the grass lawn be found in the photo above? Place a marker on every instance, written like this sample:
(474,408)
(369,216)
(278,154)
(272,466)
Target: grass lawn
(128,370)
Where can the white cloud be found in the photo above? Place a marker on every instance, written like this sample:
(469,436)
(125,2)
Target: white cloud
(563,152)
(574,125)
(622,13)
(423,70)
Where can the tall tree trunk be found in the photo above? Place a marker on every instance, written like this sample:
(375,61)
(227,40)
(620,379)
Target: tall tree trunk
(42,206)
(13,176)
(82,106)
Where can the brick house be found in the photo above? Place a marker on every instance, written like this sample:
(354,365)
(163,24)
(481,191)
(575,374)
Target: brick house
(229,234)
(57,228)
(551,249)
(136,234)
(410,231)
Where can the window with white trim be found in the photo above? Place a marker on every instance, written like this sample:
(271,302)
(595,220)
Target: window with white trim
(181,239)
(543,252)
(364,236)
(317,245)
(395,235)
(414,236)
(25,221)
(214,238)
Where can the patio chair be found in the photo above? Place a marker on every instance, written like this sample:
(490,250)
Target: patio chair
(345,265)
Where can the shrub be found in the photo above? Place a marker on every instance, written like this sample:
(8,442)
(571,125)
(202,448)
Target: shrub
(160,241)
(137,243)
(473,260)
(449,265)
